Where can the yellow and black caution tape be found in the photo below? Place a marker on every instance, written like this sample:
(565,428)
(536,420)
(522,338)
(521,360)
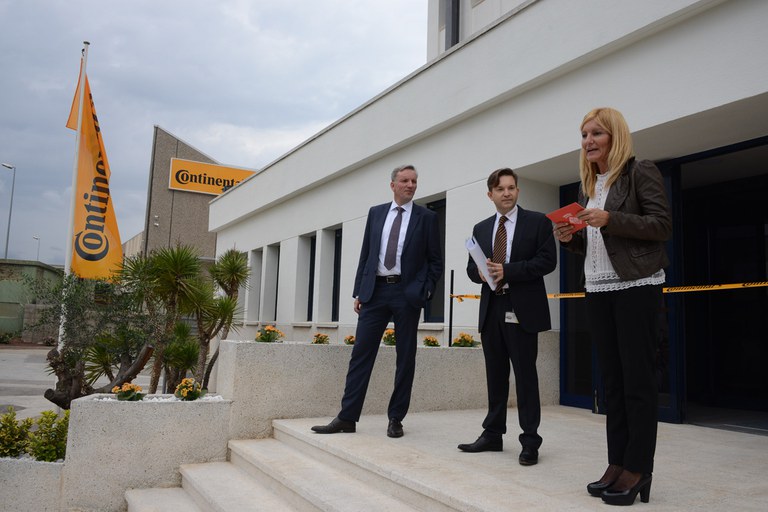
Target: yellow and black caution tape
(573,295)
(668,289)
(714,287)
(461,298)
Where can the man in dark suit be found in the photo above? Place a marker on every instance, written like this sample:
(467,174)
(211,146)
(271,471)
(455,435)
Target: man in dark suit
(512,315)
(400,263)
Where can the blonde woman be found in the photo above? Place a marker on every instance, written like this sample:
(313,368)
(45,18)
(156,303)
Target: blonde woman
(628,220)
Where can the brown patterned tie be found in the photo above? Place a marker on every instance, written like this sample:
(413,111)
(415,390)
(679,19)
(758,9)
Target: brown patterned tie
(500,242)
(390,256)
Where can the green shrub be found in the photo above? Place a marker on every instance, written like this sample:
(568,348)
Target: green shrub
(6,337)
(14,435)
(48,442)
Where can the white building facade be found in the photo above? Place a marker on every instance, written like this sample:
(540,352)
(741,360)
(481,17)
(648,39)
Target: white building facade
(690,77)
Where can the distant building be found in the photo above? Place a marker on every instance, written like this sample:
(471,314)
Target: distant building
(18,304)
(178,215)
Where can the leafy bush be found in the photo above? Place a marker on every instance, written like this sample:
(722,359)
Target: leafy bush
(6,337)
(14,435)
(48,442)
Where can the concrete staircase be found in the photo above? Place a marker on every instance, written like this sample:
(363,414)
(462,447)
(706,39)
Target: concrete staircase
(367,471)
(299,470)
(294,471)
(289,472)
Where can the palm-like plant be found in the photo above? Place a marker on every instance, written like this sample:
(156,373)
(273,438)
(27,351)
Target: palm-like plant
(212,315)
(174,270)
(230,273)
(99,360)
(169,285)
(164,281)
(181,355)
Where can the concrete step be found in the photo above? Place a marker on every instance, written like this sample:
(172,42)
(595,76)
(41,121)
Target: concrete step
(309,483)
(426,470)
(172,499)
(223,487)
(382,463)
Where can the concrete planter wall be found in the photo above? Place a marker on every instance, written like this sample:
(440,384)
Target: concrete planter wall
(115,446)
(292,380)
(30,486)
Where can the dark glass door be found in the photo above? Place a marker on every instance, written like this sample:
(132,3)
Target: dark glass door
(726,240)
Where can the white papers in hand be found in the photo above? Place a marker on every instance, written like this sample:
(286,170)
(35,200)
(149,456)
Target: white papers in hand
(480,260)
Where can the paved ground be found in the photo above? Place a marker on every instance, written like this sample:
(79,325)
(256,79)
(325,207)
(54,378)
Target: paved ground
(24,378)
(696,468)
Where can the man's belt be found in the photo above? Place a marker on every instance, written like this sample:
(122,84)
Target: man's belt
(388,279)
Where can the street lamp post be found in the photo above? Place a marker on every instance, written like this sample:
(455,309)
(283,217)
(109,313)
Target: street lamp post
(10,210)
(38,247)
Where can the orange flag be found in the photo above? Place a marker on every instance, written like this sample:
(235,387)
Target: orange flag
(97,250)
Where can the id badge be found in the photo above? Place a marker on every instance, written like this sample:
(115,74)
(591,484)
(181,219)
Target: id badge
(510,318)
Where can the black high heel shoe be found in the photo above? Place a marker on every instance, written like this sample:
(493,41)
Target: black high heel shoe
(596,488)
(628,496)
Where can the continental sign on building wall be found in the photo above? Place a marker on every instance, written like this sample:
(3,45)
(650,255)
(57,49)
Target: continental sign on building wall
(203,178)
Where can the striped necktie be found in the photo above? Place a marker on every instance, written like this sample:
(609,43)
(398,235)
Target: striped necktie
(500,242)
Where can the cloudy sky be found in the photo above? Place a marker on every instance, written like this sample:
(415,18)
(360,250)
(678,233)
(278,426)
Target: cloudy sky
(243,81)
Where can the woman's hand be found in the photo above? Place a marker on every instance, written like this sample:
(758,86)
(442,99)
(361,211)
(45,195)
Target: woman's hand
(594,217)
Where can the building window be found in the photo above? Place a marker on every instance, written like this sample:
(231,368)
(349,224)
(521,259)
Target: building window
(450,21)
(327,266)
(270,278)
(311,283)
(434,310)
(305,274)
(253,291)
(336,275)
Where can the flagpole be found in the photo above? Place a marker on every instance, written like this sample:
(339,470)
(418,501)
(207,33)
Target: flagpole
(73,198)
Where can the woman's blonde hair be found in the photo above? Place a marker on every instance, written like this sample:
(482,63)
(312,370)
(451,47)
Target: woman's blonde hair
(619,154)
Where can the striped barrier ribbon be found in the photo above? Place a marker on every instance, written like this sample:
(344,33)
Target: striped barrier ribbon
(667,289)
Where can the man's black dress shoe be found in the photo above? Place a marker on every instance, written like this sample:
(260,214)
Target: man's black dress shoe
(335,426)
(395,428)
(627,497)
(529,456)
(483,444)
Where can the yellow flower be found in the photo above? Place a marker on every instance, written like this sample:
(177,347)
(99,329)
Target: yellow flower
(389,337)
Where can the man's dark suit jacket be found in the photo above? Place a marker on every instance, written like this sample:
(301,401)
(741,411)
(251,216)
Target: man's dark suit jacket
(421,262)
(532,256)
